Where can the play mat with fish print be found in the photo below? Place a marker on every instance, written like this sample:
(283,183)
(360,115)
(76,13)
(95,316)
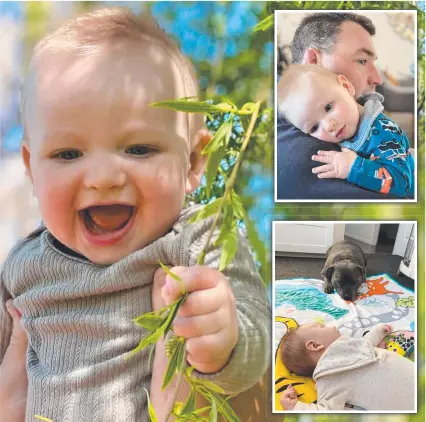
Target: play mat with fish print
(381,300)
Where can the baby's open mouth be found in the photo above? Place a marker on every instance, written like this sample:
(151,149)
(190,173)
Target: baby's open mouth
(101,219)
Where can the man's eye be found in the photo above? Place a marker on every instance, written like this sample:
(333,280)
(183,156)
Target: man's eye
(362,62)
(68,154)
(140,150)
(314,128)
(327,107)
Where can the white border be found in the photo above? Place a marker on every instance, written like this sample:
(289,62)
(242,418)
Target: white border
(325,200)
(416,360)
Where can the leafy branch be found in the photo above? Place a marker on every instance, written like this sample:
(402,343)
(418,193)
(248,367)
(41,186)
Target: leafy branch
(159,323)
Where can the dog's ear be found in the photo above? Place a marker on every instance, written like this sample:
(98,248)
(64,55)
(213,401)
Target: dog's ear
(327,271)
(363,274)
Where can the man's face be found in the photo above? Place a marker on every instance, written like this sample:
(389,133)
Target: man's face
(109,172)
(354,56)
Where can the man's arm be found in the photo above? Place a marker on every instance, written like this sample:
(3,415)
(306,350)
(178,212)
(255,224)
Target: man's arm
(13,371)
(294,177)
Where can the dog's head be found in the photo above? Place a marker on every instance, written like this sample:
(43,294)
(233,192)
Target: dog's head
(346,277)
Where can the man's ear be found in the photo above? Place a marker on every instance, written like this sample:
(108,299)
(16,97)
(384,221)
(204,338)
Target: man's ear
(26,156)
(313,346)
(312,56)
(346,84)
(197,161)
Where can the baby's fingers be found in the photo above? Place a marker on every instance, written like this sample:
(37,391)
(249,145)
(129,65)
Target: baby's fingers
(328,175)
(201,325)
(192,279)
(322,158)
(323,169)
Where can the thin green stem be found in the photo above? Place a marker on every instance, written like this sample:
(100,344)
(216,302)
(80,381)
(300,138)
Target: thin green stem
(230,183)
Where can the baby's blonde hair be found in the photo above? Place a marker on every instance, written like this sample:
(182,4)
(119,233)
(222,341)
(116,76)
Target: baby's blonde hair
(116,27)
(296,75)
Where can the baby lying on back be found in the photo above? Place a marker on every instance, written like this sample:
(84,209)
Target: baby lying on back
(347,370)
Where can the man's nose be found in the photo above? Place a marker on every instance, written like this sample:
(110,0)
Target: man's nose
(104,174)
(375,78)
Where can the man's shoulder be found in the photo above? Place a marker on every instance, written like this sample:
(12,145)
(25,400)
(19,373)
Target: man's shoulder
(294,177)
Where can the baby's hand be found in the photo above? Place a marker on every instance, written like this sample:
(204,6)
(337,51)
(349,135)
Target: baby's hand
(337,164)
(207,318)
(288,399)
(387,328)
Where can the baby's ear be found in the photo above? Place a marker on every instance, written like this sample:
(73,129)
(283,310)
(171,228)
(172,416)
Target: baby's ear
(346,84)
(26,155)
(198,161)
(313,346)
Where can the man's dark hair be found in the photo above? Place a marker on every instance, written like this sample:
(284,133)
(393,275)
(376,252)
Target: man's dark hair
(320,31)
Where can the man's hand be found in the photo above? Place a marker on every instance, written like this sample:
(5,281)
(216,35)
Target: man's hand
(387,328)
(288,399)
(207,318)
(337,164)
(13,371)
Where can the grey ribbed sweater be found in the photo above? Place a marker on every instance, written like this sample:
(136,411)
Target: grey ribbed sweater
(78,318)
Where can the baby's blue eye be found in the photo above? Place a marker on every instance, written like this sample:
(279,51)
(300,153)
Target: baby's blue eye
(68,154)
(362,62)
(314,128)
(327,107)
(139,150)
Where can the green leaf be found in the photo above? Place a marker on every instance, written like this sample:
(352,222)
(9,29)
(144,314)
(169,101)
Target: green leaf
(202,383)
(174,276)
(150,321)
(213,162)
(42,418)
(175,362)
(265,24)
(190,106)
(226,226)
(226,107)
(258,246)
(229,247)
(151,411)
(207,210)
(237,205)
(224,408)
(220,138)
(213,412)
(248,108)
(173,312)
(146,341)
(190,403)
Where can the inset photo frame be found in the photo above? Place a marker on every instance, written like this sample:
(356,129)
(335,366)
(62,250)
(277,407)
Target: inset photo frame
(345,316)
(346,106)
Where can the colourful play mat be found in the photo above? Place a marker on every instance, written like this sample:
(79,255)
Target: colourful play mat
(381,300)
